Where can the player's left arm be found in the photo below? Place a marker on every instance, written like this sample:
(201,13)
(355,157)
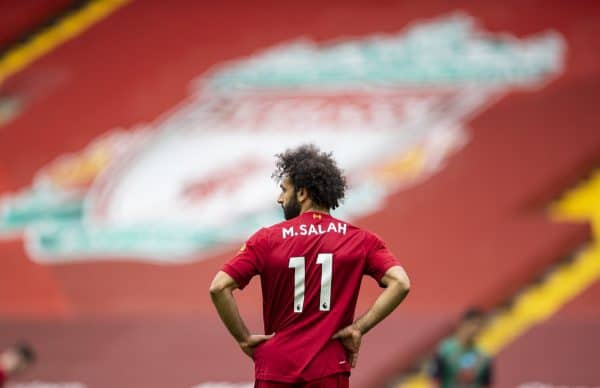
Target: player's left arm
(221,293)
(397,285)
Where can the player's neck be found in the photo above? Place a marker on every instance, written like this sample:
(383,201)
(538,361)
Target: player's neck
(314,209)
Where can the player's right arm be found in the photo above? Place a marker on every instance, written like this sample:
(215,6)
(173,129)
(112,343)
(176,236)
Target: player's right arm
(221,293)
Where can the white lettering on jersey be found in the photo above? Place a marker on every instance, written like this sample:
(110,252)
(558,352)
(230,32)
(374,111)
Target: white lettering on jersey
(310,229)
(303,231)
(287,232)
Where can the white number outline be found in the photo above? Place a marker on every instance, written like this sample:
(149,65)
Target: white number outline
(298,263)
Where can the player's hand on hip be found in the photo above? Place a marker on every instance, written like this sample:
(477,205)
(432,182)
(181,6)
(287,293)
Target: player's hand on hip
(253,341)
(350,337)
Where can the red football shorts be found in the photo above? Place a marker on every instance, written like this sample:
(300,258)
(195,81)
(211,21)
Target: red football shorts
(340,380)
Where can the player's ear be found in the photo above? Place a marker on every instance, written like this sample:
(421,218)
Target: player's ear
(301,195)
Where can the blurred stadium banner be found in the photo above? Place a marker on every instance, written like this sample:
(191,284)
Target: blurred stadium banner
(132,175)
(391,108)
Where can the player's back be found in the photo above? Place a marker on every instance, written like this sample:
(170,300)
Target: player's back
(311,269)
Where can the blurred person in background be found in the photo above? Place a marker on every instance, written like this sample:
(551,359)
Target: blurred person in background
(459,362)
(14,360)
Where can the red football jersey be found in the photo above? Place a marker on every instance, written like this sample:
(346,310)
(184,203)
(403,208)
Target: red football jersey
(310,269)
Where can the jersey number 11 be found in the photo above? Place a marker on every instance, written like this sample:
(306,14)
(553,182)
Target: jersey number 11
(298,264)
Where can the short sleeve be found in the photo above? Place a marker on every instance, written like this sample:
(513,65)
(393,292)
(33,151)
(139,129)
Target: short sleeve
(379,258)
(248,261)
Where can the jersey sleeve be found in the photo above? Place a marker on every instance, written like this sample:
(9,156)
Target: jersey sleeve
(249,259)
(379,258)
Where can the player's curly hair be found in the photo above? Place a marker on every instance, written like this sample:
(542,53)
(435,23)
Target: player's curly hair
(317,172)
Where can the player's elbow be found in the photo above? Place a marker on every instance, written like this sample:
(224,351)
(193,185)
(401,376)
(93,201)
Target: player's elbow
(220,284)
(398,278)
(217,286)
(405,283)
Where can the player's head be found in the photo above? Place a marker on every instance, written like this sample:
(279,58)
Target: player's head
(16,358)
(309,180)
(471,324)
